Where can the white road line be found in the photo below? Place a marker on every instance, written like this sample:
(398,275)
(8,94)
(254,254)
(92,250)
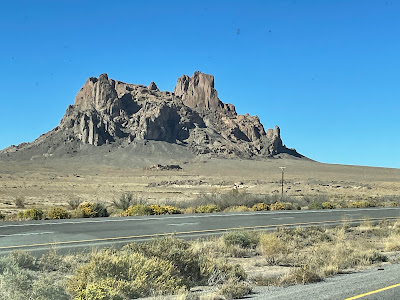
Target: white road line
(182,224)
(30,233)
(214,215)
(282,218)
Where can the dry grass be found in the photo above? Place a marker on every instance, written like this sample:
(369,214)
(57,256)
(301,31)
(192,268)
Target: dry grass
(282,257)
(392,242)
(305,254)
(313,253)
(271,246)
(57,183)
(19,202)
(234,289)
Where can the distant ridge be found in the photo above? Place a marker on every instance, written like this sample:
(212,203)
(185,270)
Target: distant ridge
(114,113)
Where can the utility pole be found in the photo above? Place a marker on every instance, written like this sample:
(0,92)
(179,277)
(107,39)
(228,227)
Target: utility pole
(283,172)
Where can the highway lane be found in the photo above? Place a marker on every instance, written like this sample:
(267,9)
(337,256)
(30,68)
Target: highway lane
(85,233)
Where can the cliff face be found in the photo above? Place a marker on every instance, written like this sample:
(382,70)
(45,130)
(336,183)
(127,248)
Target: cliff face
(107,111)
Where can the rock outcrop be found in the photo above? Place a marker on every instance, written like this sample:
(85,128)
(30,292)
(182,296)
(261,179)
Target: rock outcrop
(152,86)
(107,111)
(198,93)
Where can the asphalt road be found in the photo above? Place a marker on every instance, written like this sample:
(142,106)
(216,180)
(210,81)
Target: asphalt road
(77,234)
(372,284)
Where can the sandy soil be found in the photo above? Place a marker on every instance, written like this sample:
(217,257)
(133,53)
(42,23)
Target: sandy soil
(54,182)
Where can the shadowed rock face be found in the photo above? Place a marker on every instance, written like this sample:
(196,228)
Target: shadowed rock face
(107,111)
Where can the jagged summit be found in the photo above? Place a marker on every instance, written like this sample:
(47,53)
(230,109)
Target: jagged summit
(152,86)
(198,93)
(112,112)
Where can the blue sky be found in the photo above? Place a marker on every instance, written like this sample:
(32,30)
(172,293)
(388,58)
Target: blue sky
(326,72)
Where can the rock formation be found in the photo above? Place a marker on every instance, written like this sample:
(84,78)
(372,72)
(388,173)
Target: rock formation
(107,111)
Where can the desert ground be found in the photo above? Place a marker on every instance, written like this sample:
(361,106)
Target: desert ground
(53,182)
(104,175)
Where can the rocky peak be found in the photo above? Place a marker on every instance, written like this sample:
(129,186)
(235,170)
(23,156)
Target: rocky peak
(198,92)
(274,135)
(96,93)
(152,86)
